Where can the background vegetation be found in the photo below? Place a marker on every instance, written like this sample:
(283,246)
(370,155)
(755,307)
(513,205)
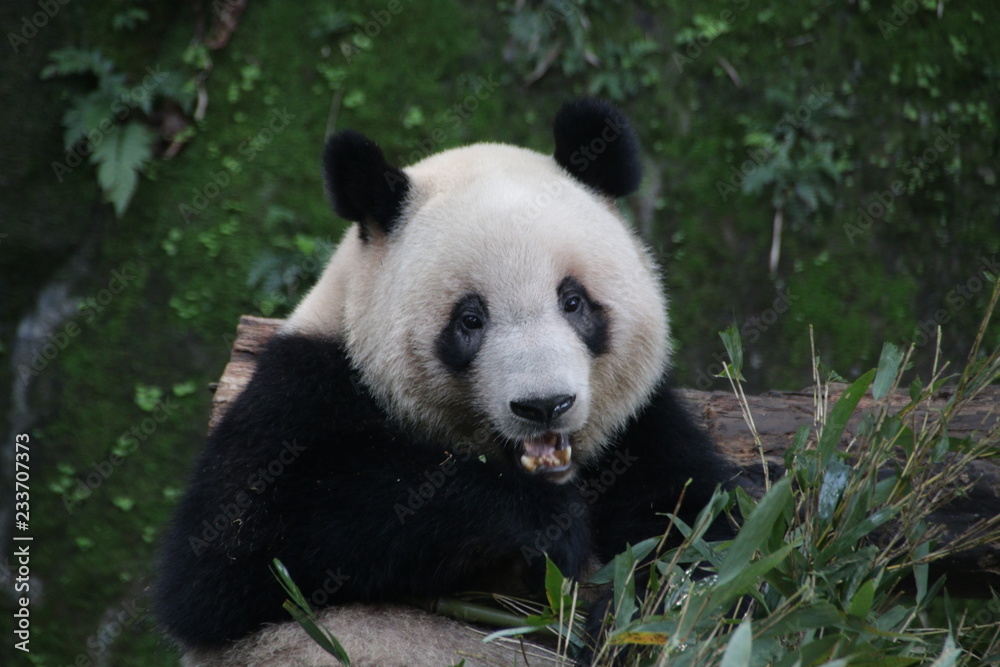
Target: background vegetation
(198,197)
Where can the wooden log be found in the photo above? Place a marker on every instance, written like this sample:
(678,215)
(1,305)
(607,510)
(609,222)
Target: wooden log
(778,416)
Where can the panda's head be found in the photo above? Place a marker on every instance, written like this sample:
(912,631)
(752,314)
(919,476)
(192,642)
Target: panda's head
(493,296)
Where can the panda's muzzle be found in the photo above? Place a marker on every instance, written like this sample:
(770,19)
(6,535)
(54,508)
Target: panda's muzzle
(548,452)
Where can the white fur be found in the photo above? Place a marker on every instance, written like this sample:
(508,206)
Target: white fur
(509,224)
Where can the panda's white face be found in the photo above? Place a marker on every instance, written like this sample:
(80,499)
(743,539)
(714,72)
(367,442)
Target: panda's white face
(511,310)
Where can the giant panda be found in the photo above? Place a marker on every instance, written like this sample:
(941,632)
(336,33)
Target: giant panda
(489,338)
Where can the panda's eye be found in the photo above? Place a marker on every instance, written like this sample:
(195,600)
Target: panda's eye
(572,303)
(472,322)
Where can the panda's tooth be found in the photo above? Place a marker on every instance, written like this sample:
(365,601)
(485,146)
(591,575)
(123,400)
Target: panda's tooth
(563,455)
(529,463)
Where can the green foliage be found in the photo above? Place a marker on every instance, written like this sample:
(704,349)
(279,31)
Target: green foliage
(816,573)
(120,158)
(574,39)
(147,397)
(121,149)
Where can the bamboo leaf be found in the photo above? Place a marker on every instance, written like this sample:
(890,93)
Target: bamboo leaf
(834,483)
(319,634)
(734,348)
(755,531)
(624,587)
(640,638)
(299,608)
(888,368)
(949,655)
(839,415)
(739,648)
(861,603)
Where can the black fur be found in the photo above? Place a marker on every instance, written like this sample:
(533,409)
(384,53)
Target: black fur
(595,143)
(363,187)
(460,340)
(305,467)
(586,316)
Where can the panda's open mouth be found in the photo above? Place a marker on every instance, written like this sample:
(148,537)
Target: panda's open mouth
(547,452)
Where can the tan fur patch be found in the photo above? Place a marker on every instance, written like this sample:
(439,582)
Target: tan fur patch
(376,636)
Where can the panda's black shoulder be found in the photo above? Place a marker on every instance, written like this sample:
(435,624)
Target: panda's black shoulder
(301,385)
(662,458)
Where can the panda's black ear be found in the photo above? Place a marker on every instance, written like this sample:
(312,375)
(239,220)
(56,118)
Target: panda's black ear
(595,143)
(363,187)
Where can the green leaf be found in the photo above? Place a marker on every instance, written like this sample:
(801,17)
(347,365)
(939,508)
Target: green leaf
(299,608)
(76,61)
(805,618)
(182,389)
(124,503)
(834,483)
(949,654)
(120,157)
(839,415)
(734,348)
(755,531)
(750,575)
(739,648)
(147,397)
(555,584)
(624,587)
(861,603)
(606,574)
(921,571)
(853,534)
(888,367)
(319,634)
(513,632)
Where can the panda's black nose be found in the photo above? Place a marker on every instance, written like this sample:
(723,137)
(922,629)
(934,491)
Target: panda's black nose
(542,410)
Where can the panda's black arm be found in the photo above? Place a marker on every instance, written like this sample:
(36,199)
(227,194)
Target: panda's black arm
(305,468)
(643,475)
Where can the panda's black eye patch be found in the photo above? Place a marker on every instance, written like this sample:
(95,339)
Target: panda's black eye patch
(463,335)
(587,317)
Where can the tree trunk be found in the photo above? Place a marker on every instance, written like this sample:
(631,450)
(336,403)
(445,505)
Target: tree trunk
(777,415)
